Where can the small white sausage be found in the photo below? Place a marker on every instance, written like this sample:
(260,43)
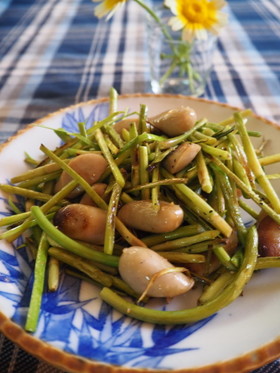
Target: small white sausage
(181,157)
(89,166)
(99,189)
(137,266)
(176,121)
(144,216)
(82,222)
(125,124)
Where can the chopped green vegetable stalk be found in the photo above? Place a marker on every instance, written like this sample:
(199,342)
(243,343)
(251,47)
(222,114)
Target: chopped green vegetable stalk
(264,161)
(110,220)
(142,119)
(202,207)
(254,196)
(203,174)
(186,241)
(25,192)
(107,154)
(184,258)
(216,287)
(168,143)
(224,257)
(113,95)
(183,231)
(255,164)
(53,274)
(268,262)
(38,285)
(143,168)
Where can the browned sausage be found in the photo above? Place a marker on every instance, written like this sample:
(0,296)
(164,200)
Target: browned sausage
(269,237)
(82,222)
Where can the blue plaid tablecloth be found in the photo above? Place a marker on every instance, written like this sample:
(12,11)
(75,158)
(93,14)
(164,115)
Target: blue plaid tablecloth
(56,53)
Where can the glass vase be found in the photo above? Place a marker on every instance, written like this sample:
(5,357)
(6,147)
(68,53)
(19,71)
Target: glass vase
(176,66)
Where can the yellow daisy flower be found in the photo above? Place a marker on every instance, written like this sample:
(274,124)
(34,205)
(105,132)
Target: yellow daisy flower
(196,17)
(107,7)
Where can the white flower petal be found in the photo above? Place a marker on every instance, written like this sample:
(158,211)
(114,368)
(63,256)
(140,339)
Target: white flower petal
(171,4)
(219,4)
(175,23)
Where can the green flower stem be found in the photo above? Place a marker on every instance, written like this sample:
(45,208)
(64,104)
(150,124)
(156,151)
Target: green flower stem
(169,71)
(228,295)
(156,18)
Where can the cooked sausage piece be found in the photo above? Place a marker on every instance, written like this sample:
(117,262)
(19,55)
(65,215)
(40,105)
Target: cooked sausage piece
(137,266)
(100,190)
(125,124)
(269,237)
(90,166)
(181,157)
(82,222)
(144,216)
(176,121)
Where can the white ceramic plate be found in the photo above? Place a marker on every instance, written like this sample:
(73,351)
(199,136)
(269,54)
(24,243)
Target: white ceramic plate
(79,333)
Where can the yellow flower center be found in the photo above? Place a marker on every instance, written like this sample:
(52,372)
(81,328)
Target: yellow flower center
(194,11)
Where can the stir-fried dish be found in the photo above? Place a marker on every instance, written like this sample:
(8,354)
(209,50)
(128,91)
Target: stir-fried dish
(148,207)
